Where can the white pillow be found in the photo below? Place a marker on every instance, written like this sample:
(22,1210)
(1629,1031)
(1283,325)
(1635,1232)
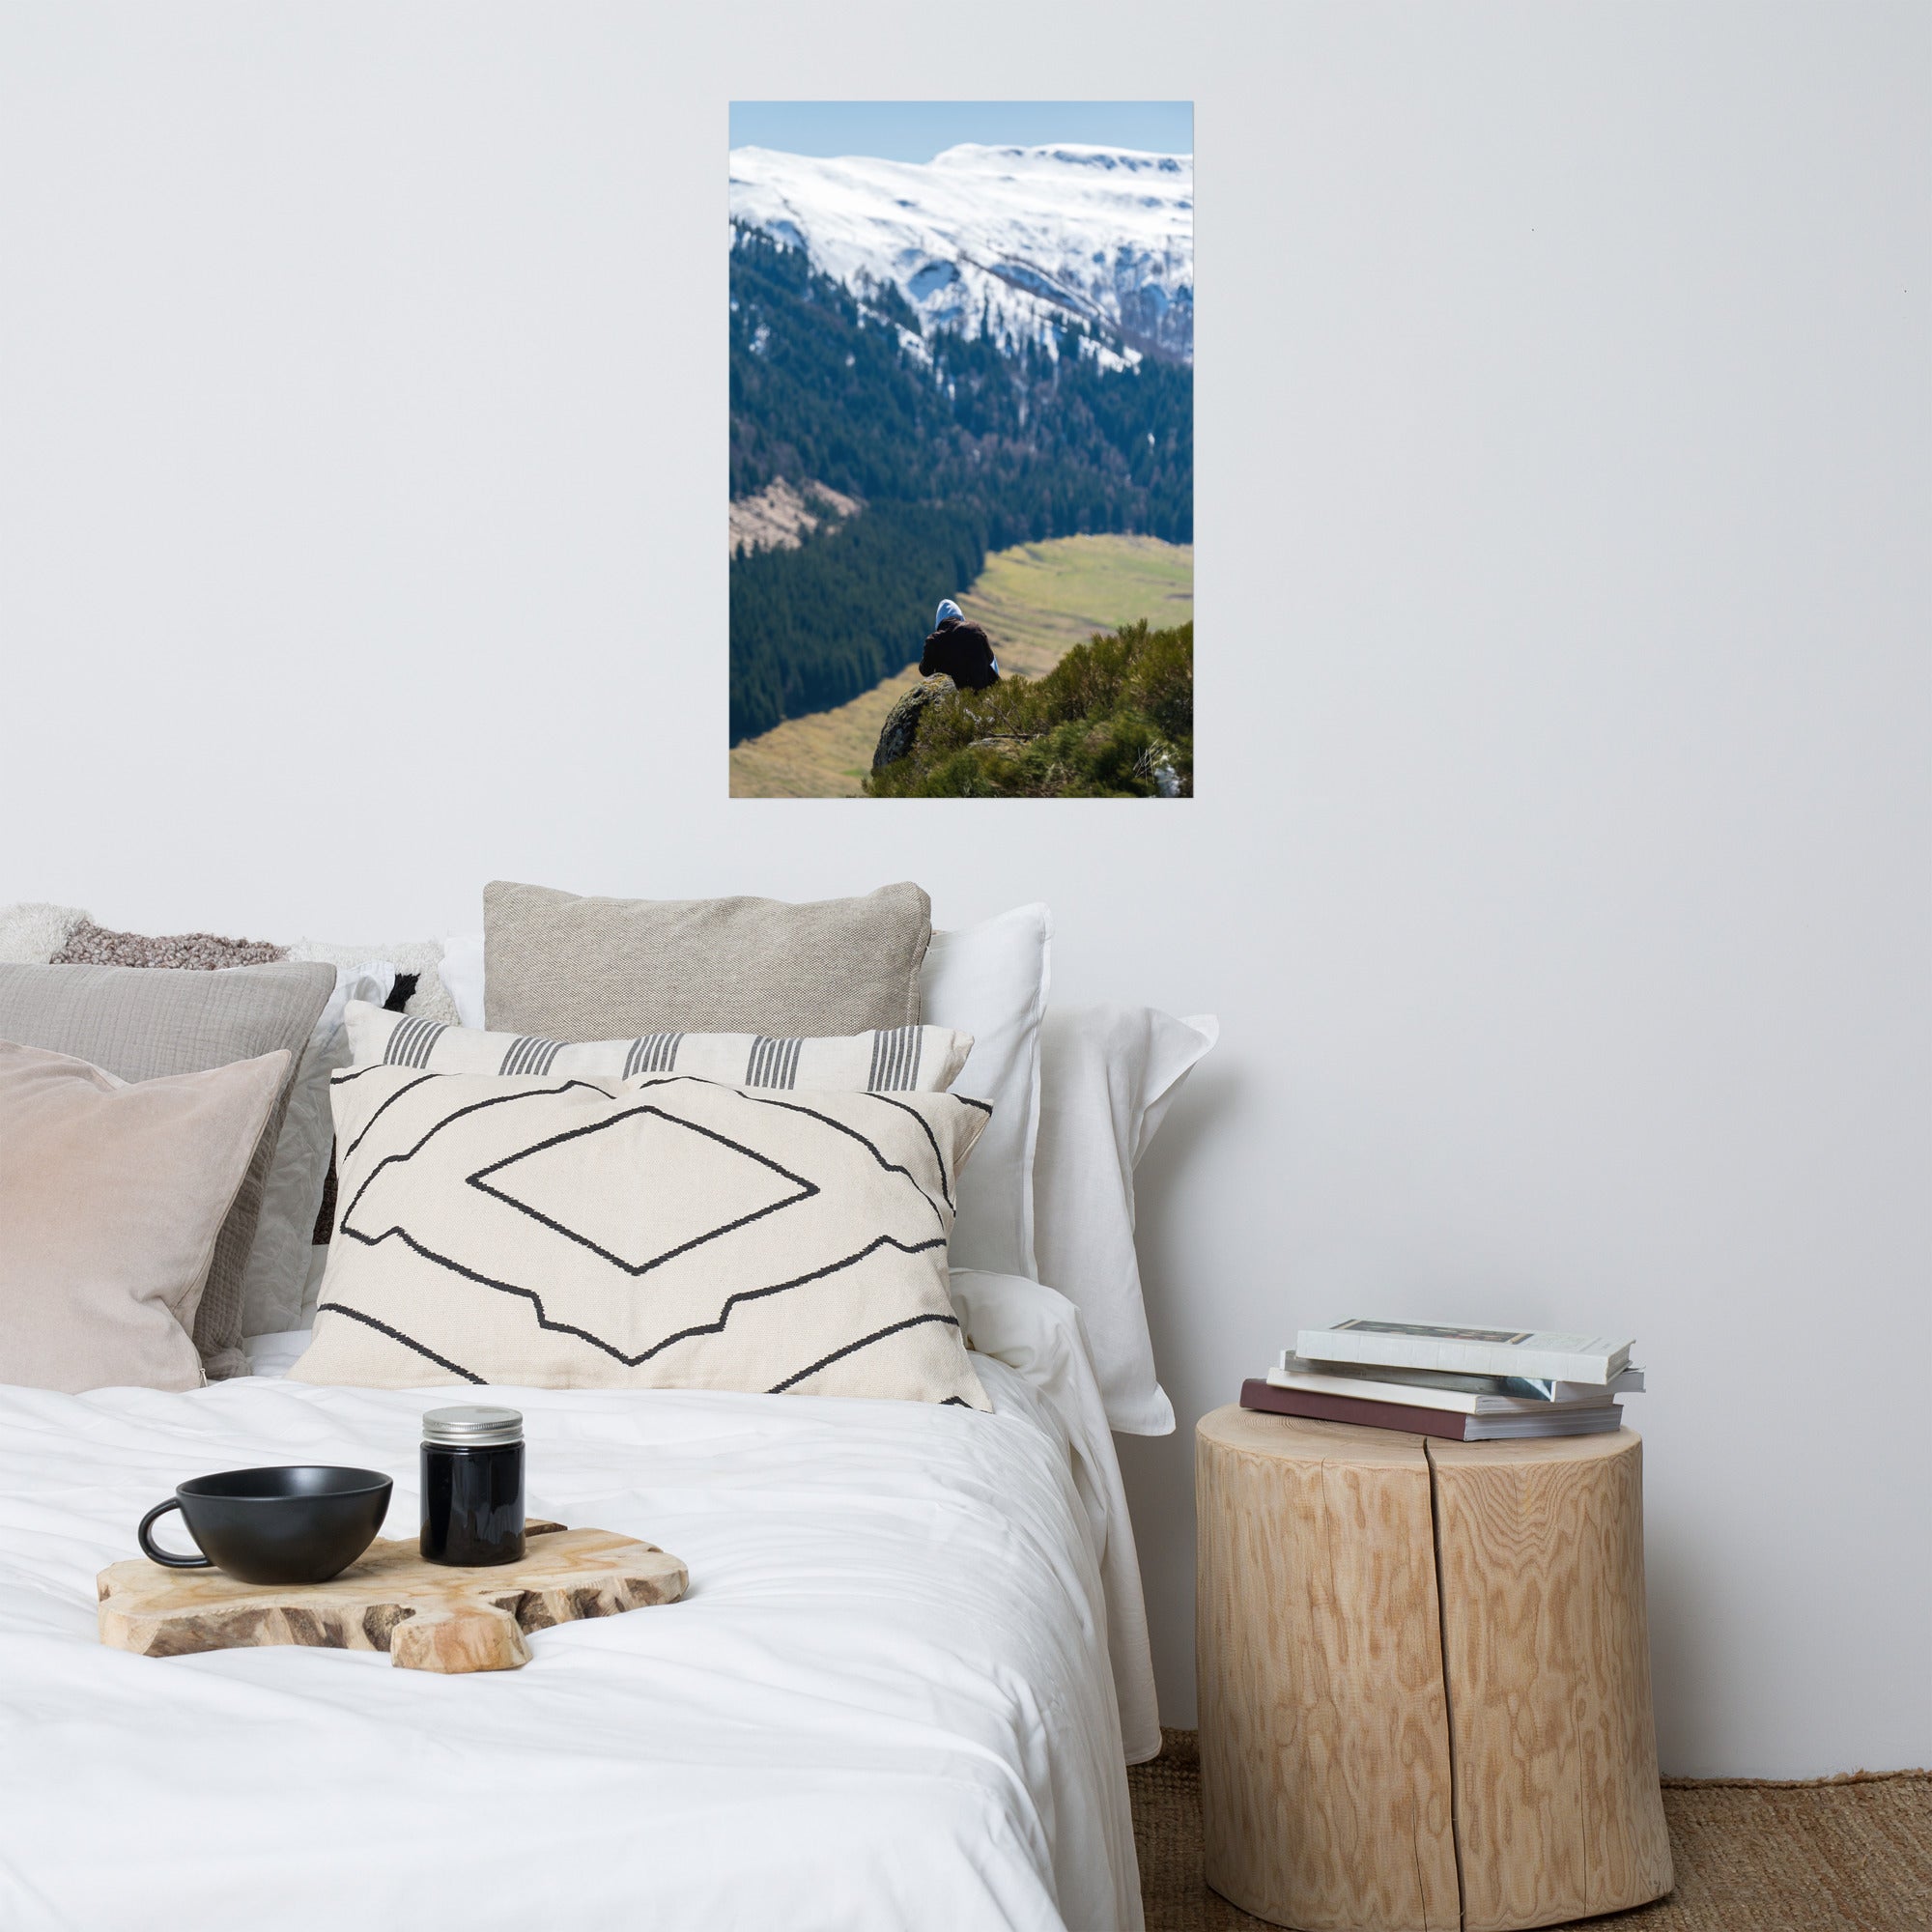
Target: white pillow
(278,1265)
(32,933)
(991,981)
(1109,1075)
(461,972)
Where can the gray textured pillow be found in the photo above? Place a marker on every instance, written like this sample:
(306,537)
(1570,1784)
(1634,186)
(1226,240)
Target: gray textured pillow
(569,968)
(141,1025)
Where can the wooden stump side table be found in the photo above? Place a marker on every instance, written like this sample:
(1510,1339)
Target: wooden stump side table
(1425,1677)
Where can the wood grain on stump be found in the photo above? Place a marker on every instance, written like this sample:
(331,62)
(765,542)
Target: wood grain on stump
(1546,1647)
(1324,1745)
(428,1616)
(1424,1676)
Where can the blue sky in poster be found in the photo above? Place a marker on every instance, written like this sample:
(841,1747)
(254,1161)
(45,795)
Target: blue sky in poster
(915,131)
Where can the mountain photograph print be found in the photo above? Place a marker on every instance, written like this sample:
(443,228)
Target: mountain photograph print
(962,449)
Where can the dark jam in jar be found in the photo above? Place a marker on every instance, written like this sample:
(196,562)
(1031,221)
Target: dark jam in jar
(473,1486)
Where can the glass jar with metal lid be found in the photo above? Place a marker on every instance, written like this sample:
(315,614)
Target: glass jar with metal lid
(473,1486)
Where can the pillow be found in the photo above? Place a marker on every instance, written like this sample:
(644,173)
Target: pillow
(417,959)
(278,1258)
(569,968)
(292,1190)
(908,1058)
(91,945)
(112,1195)
(657,1232)
(140,1025)
(990,980)
(53,936)
(1108,1076)
(32,933)
(461,971)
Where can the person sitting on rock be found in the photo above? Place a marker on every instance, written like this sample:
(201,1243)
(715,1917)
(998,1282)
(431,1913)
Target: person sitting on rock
(960,651)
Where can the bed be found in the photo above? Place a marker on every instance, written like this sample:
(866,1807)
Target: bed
(901,1690)
(912,1663)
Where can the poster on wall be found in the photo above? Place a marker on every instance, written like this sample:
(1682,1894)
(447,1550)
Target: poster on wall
(962,449)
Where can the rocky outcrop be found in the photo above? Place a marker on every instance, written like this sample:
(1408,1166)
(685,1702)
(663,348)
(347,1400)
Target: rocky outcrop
(781,518)
(900,731)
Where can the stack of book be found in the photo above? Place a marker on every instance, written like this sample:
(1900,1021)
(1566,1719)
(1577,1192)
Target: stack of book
(1468,1384)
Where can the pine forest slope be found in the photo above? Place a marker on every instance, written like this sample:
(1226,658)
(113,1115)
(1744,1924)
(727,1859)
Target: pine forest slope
(839,386)
(1036,600)
(958,442)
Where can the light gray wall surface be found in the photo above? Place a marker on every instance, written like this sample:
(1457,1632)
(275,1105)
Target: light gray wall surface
(1559,868)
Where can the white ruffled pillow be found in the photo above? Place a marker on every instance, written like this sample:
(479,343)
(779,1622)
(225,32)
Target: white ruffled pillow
(1109,1075)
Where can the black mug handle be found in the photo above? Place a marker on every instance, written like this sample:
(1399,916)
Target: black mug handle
(154,1551)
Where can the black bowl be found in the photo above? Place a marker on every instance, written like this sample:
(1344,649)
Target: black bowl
(302,1525)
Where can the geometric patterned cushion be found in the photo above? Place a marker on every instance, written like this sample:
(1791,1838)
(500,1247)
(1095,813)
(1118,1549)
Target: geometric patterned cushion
(661,1232)
(912,1058)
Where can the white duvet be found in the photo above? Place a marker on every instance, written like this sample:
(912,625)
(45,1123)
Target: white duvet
(887,1701)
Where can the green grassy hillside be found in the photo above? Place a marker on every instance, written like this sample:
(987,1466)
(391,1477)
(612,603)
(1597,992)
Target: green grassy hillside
(1037,602)
(1113,719)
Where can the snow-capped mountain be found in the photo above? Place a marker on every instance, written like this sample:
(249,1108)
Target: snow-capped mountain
(1020,241)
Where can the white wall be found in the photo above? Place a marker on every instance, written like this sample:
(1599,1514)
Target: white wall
(1559,868)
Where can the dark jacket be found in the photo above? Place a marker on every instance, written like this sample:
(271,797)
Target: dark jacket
(961,651)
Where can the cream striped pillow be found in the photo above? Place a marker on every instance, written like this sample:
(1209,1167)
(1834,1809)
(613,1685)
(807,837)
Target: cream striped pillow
(896,1060)
(556,1231)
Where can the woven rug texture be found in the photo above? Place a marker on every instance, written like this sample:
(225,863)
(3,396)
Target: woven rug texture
(1843,1854)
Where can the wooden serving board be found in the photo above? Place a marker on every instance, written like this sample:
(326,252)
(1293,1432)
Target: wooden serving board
(426,1615)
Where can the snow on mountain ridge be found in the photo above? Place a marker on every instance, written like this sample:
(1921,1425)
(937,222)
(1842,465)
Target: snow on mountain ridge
(1060,153)
(1020,241)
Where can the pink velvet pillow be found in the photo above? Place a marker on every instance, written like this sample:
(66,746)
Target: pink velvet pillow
(111,1196)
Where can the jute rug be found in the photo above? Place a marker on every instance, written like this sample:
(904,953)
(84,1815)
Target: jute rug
(1850,1855)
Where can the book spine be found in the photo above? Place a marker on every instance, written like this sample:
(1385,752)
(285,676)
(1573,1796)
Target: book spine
(1266,1397)
(1361,1388)
(1597,1418)
(1345,1377)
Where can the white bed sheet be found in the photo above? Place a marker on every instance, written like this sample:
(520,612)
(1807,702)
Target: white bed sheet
(886,1702)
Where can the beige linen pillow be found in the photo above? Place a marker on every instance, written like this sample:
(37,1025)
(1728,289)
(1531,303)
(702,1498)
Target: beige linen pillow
(570,968)
(655,1233)
(112,1194)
